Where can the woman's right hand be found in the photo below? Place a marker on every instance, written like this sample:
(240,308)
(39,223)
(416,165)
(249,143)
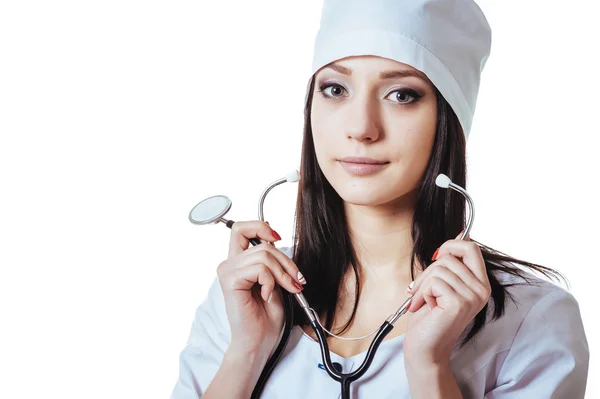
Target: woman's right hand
(252,301)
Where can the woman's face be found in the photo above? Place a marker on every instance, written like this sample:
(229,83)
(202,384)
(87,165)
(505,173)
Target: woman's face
(373,124)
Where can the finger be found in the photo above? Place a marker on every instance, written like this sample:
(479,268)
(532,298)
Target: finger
(257,274)
(284,261)
(470,254)
(267,283)
(424,295)
(471,283)
(443,293)
(437,255)
(459,286)
(467,238)
(241,232)
(430,301)
(279,274)
(461,270)
(467,277)
(418,297)
(438,293)
(253,274)
(414,286)
(288,265)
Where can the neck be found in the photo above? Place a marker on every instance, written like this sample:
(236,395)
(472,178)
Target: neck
(382,237)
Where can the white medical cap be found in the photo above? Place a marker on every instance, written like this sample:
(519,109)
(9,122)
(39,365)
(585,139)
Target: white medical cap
(447,40)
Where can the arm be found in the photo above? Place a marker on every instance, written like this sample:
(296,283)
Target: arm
(239,367)
(433,382)
(549,357)
(208,364)
(454,291)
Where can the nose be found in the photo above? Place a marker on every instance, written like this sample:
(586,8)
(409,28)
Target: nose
(362,120)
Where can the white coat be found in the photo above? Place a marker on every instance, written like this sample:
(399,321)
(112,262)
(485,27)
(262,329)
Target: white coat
(538,349)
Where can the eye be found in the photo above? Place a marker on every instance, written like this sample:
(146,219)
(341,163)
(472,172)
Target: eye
(331,90)
(404,96)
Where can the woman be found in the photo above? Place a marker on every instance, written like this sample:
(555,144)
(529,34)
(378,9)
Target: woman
(388,108)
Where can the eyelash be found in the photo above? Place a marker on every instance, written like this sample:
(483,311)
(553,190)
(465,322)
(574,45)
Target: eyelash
(416,96)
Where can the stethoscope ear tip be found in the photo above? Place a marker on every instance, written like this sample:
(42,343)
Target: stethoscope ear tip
(292,177)
(443,181)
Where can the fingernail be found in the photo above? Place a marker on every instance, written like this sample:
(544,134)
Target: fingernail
(435,254)
(410,286)
(270,297)
(301,278)
(298,286)
(276,235)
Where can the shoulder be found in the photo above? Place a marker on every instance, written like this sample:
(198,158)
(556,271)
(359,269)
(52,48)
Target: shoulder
(530,287)
(210,319)
(542,314)
(530,301)
(534,299)
(540,336)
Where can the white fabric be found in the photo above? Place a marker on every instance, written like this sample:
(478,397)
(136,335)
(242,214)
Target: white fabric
(538,349)
(449,41)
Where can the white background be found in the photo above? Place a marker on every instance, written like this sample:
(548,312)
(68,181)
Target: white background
(116,117)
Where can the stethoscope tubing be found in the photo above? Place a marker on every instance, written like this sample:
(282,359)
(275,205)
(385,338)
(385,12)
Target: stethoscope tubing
(344,378)
(347,378)
(288,311)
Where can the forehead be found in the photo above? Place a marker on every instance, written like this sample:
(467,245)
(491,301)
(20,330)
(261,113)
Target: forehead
(372,65)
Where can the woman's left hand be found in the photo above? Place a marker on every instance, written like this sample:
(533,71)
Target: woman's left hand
(446,297)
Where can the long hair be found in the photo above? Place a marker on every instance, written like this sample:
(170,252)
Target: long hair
(323,249)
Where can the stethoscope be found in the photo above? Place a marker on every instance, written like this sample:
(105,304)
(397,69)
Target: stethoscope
(213,209)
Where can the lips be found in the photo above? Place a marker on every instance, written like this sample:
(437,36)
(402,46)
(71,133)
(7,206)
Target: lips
(362,160)
(361,166)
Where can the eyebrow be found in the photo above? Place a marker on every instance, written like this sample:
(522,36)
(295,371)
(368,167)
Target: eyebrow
(384,74)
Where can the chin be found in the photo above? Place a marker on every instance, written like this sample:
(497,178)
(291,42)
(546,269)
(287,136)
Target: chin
(369,194)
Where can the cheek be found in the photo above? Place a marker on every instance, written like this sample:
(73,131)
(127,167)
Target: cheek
(420,129)
(413,134)
(322,126)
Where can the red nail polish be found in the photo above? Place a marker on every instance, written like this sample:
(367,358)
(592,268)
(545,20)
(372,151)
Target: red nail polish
(435,254)
(276,235)
(298,286)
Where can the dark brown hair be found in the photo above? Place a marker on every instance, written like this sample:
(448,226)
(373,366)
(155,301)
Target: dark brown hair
(323,250)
